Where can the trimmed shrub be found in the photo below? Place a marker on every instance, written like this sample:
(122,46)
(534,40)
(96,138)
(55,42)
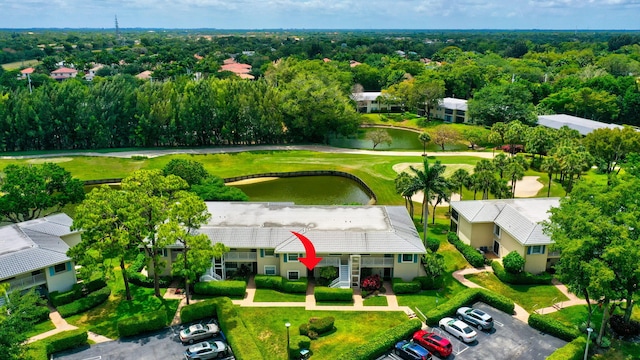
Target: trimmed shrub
(89,302)
(496,300)
(142,323)
(472,255)
(197,311)
(572,351)
(513,262)
(430,283)
(138,264)
(623,329)
(234,288)
(94,285)
(433,244)
(239,338)
(371,283)
(295,286)
(145,281)
(467,297)
(523,278)
(268,282)
(322,325)
(553,327)
(66,340)
(405,287)
(322,293)
(381,343)
(297,343)
(62,298)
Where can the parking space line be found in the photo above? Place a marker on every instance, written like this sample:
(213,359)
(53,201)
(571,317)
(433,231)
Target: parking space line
(498,323)
(93,358)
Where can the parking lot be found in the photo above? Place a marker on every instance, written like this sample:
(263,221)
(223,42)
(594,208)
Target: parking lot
(164,344)
(509,339)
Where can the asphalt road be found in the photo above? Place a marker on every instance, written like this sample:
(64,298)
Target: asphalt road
(509,340)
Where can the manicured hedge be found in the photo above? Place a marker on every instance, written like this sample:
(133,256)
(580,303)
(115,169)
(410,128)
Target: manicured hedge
(381,343)
(197,311)
(66,340)
(553,327)
(295,286)
(145,281)
(40,314)
(236,288)
(405,287)
(297,343)
(572,351)
(472,255)
(89,302)
(430,283)
(321,325)
(323,293)
(239,338)
(467,297)
(62,298)
(268,282)
(142,323)
(523,278)
(94,285)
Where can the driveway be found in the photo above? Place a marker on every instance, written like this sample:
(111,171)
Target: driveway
(164,344)
(510,339)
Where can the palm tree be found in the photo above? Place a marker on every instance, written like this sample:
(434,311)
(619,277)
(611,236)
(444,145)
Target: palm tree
(551,166)
(459,179)
(432,183)
(403,183)
(515,171)
(424,138)
(500,162)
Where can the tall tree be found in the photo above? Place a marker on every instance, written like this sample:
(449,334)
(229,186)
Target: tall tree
(403,185)
(430,180)
(551,166)
(459,179)
(424,138)
(515,171)
(502,103)
(18,317)
(445,135)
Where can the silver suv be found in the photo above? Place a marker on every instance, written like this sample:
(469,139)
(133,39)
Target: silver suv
(478,318)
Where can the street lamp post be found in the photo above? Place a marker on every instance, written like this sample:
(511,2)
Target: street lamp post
(288,325)
(586,349)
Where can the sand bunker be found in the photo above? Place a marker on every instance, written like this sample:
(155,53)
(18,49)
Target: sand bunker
(251,181)
(49,160)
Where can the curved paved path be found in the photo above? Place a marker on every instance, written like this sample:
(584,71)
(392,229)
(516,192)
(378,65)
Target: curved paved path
(62,325)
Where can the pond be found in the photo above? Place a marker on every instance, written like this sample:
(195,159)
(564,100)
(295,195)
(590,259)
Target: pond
(400,140)
(306,190)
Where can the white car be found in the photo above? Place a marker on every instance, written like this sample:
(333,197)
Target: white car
(198,332)
(458,329)
(206,350)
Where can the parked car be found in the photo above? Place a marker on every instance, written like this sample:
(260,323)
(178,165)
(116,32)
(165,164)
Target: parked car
(458,329)
(206,350)
(433,342)
(476,317)
(410,350)
(198,332)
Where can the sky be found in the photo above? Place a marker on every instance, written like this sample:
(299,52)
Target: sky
(324,14)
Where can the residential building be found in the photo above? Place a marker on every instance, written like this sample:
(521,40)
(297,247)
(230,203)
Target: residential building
(24,73)
(241,70)
(92,72)
(452,110)
(33,254)
(355,239)
(505,225)
(582,125)
(145,75)
(64,73)
(370,101)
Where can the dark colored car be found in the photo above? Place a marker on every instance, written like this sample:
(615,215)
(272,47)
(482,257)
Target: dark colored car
(433,342)
(409,350)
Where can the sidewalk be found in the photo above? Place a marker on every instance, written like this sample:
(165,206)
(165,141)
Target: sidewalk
(62,325)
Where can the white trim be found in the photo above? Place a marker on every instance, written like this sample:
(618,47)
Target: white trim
(406,261)
(290,260)
(275,269)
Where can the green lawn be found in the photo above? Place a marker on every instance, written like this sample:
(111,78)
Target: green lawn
(376,301)
(352,329)
(530,297)
(269,295)
(20,64)
(40,328)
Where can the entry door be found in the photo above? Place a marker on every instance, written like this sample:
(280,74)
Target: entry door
(496,248)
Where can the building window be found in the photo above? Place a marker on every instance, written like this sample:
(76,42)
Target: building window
(293,257)
(536,250)
(454,227)
(454,214)
(293,275)
(407,258)
(37,272)
(269,269)
(496,230)
(269,252)
(59,268)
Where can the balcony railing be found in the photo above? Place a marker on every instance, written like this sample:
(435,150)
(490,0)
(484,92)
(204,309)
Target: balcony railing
(554,253)
(329,261)
(27,282)
(241,256)
(376,261)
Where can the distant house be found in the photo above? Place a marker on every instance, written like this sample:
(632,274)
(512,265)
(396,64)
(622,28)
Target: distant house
(33,254)
(452,110)
(145,75)
(353,63)
(64,73)
(24,73)
(505,225)
(583,126)
(358,240)
(241,70)
(92,72)
(369,101)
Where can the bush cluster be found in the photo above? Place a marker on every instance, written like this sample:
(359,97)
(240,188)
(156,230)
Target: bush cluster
(430,283)
(513,262)
(139,279)
(200,310)
(279,283)
(239,338)
(295,286)
(523,278)
(405,287)
(572,351)
(142,323)
(234,288)
(94,285)
(66,340)
(381,343)
(371,283)
(623,329)
(61,298)
(322,293)
(553,327)
(472,255)
(89,302)
(433,244)
(317,326)
(467,297)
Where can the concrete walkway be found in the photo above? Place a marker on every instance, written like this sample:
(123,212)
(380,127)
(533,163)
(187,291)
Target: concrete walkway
(573,299)
(62,325)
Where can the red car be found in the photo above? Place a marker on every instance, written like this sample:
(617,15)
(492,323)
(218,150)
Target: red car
(433,342)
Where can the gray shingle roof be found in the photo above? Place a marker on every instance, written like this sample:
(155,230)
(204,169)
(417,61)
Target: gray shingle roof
(332,229)
(520,218)
(33,245)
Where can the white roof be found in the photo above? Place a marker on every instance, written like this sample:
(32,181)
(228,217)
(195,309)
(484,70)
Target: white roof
(453,104)
(521,218)
(584,126)
(366,96)
(33,245)
(332,229)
